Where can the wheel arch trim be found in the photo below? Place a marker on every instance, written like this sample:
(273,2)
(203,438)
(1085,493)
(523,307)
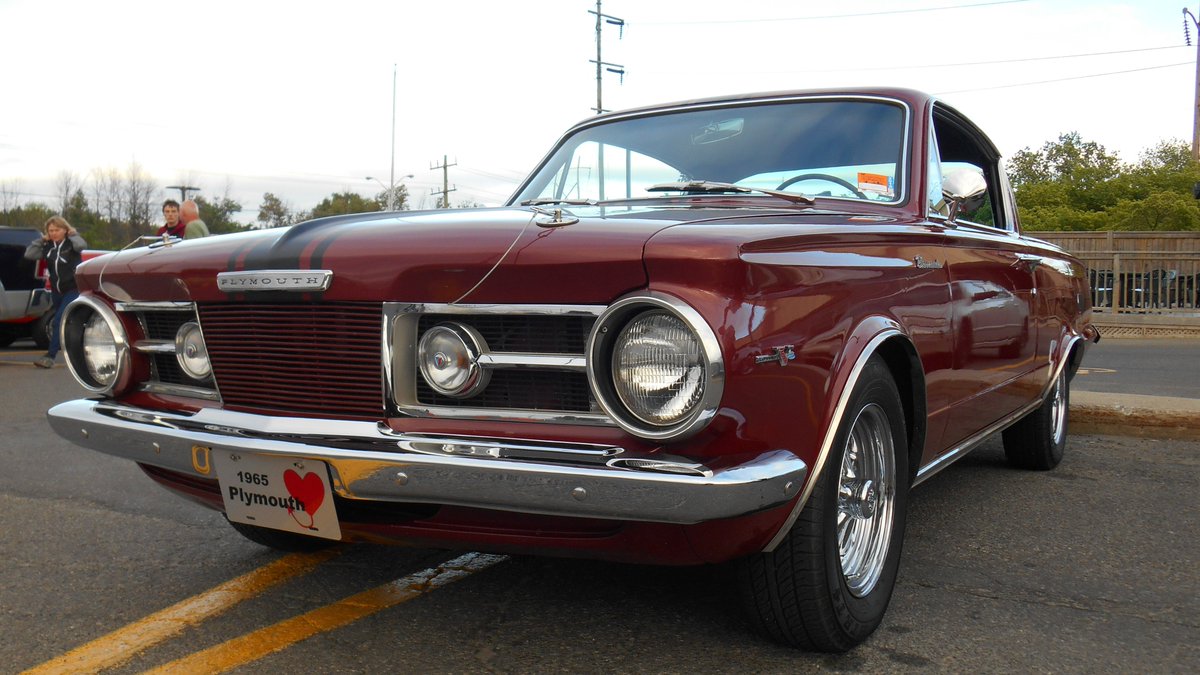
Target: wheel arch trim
(886,330)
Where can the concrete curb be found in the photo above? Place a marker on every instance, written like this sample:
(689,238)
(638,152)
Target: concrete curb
(1134,415)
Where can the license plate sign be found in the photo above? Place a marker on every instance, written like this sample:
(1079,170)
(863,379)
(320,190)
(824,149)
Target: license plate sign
(281,493)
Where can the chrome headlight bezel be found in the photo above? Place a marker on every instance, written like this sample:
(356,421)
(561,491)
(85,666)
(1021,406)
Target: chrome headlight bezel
(187,349)
(469,344)
(600,358)
(75,319)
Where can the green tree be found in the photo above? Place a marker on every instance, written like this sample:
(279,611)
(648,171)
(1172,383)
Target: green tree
(273,212)
(399,197)
(218,214)
(1073,184)
(340,203)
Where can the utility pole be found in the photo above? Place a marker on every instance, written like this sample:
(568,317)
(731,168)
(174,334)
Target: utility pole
(446,189)
(1187,14)
(601,64)
(183,190)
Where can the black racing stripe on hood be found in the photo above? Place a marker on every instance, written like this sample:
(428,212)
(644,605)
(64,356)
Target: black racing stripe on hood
(286,252)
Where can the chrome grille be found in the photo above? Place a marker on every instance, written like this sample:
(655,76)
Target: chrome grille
(319,360)
(537,361)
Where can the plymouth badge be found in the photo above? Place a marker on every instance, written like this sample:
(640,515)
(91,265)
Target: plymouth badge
(274,280)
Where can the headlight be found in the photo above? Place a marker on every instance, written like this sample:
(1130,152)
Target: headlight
(448,354)
(658,368)
(95,345)
(655,367)
(191,352)
(100,351)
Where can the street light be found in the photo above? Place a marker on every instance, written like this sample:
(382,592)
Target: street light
(390,190)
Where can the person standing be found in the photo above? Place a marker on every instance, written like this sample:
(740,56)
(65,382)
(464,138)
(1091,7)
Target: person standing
(189,213)
(62,249)
(174,226)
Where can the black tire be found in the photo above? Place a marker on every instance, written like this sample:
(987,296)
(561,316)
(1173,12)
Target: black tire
(7,336)
(1038,441)
(281,540)
(800,594)
(39,330)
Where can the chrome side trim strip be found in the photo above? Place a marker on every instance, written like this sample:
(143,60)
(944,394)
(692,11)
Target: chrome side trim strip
(946,459)
(830,433)
(367,464)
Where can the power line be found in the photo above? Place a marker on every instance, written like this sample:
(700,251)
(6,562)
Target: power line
(1064,79)
(833,16)
(951,65)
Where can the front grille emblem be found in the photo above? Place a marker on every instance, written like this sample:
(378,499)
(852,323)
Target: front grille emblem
(274,280)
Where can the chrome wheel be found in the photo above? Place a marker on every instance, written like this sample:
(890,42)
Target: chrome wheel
(866,500)
(1058,412)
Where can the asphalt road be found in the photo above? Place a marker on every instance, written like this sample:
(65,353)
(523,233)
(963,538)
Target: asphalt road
(1166,367)
(1091,567)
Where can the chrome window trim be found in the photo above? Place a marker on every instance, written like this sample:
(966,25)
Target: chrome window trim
(905,150)
(400,341)
(714,385)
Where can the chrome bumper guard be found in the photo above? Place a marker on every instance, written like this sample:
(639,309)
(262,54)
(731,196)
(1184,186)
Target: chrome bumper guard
(369,461)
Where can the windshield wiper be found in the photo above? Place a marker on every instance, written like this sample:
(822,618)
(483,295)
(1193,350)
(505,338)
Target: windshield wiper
(568,202)
(712,187)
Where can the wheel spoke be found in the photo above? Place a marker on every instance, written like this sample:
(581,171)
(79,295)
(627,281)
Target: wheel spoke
(866,490)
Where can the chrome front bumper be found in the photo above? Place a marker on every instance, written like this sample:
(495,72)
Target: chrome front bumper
(369,461)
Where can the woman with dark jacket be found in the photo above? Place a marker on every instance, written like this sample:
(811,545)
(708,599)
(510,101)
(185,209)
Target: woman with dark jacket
(62,249)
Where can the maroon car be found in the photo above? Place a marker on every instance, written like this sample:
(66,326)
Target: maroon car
(735,329)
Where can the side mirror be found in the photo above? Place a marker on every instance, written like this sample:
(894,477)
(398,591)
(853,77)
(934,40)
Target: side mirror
(964,190)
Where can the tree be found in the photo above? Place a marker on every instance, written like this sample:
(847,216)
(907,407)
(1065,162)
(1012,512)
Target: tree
(217,214)
(1073,184)
(399,198)
(273,212)
(66,185)
(340,203)
(10,194)
(138,193)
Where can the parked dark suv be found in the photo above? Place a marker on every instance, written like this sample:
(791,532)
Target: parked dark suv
(24,300)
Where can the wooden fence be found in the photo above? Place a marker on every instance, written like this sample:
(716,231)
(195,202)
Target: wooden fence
(1144,273)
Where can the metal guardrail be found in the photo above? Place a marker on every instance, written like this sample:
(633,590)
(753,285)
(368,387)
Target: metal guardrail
(1163,283)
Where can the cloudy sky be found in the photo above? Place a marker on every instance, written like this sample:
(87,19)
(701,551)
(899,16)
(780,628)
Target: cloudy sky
(295,98)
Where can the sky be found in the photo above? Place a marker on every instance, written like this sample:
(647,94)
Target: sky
(296,98)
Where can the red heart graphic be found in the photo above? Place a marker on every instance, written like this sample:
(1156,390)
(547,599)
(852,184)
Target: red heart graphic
(309,490)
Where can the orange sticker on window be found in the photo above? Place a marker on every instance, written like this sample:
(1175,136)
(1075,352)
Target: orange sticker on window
(875,182)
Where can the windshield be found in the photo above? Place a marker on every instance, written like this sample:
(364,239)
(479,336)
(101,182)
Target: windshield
(845,149)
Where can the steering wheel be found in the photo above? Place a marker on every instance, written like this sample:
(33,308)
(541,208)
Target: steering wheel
(825,177)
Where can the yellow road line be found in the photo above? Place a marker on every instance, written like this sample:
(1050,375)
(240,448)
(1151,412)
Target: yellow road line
(125,643)
(253,646)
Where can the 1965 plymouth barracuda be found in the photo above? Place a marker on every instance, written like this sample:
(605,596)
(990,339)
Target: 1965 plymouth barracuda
(737,329)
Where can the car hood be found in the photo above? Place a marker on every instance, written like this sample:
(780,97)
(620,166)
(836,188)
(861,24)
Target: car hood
(434,256)
(504,255)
